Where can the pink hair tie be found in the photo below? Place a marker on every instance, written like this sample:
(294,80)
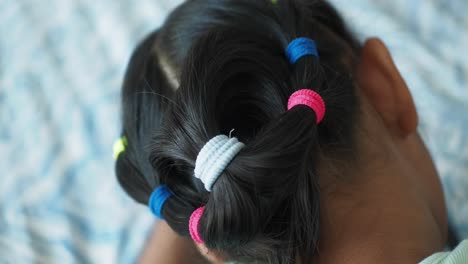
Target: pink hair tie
(309,98)
(193,224)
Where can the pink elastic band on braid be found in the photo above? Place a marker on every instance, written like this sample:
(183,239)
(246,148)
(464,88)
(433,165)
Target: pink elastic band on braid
(309,98)
(193,224)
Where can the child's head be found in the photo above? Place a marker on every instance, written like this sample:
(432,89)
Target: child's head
(219,67)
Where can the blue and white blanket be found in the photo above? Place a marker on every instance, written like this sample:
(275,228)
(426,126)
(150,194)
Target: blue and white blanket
(61,66)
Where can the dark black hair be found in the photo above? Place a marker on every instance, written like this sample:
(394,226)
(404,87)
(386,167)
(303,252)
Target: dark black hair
(218,65)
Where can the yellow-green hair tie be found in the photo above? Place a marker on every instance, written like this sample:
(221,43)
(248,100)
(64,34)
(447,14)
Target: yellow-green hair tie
(119,147)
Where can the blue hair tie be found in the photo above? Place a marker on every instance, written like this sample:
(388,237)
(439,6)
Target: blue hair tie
(158,198)
(301,47)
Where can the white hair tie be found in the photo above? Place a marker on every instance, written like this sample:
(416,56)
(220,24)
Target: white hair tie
(214,158)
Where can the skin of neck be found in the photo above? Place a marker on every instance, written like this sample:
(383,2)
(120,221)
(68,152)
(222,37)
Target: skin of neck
(388,205)
(382,212)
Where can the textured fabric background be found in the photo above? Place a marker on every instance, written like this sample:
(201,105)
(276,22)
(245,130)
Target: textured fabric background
(61,66)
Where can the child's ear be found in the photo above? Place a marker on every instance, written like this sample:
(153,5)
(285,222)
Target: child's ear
(381,82)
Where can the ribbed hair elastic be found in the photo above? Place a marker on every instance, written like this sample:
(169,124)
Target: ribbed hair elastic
(309,98)
(193,224)
(158,198)
(299,48)
(214,157)
(119,147)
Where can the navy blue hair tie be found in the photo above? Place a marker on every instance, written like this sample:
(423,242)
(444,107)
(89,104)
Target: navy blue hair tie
(158,198)
(301,47)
